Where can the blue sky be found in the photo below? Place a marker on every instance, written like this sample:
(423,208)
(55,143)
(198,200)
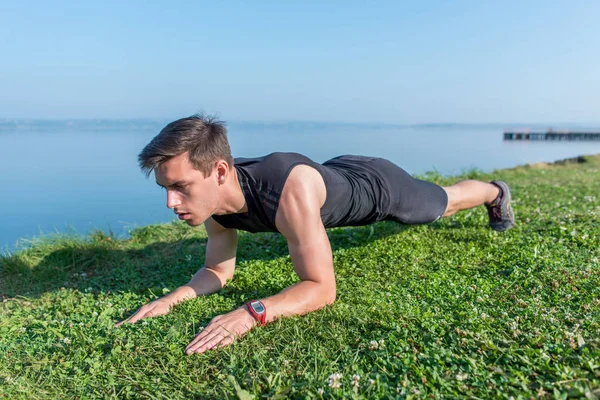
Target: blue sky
(350,61)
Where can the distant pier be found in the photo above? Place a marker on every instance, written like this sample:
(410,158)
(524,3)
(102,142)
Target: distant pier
(550,134)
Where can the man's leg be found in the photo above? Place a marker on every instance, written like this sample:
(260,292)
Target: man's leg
(495,196)
(469,194)
(416,201)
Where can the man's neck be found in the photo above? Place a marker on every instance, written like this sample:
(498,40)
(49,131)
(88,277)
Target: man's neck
(233,196)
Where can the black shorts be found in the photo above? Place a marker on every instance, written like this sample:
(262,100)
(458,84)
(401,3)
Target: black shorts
(370,189)
(413,201)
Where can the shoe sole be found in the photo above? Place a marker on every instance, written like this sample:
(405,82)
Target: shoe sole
(508,199)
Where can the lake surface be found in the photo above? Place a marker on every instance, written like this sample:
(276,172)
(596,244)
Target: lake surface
(80,175)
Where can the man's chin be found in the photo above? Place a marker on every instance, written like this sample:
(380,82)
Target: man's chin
(193,222)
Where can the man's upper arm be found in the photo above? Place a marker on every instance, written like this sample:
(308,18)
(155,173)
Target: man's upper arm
(221,248)
(299,220)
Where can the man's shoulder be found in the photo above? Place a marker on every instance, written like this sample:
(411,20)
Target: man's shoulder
(272,169)
(303,194)
(275,157)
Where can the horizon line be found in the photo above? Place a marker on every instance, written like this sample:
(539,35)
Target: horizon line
(287,121)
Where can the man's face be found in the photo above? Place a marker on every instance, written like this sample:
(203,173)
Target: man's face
(192,196)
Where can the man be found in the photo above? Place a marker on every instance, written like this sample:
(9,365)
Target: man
(290,194)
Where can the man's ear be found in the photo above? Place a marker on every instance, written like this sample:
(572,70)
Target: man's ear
(222,171)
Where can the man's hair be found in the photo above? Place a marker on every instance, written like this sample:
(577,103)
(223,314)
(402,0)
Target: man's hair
(203,137)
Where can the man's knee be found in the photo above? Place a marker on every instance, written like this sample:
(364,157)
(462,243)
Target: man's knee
(453,193)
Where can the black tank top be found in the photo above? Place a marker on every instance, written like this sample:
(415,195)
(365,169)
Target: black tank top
(356,192)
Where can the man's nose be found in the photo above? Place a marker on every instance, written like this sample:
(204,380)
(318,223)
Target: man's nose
(172,200)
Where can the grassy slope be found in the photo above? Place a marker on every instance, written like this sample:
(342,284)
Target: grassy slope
(461,310)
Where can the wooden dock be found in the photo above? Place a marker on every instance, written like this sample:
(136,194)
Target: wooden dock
(551,134)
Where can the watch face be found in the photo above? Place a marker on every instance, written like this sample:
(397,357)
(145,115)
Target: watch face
(258,307)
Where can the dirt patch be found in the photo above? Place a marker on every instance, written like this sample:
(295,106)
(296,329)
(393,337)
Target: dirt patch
(539,165)
(573,160)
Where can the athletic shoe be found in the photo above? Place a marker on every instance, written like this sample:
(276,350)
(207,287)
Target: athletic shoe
(500,212)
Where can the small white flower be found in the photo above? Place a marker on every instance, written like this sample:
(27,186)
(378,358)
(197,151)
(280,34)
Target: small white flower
(144,322)
(94,314)
(461,377)
(75,274)
(373,345)
(371,381)
(67,340)
(23,329)
(90,289)
(355,380)
(334,380)
(388,294)
(83,274)
(320,391)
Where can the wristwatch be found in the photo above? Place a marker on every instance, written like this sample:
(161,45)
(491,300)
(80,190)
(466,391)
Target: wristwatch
(258,311)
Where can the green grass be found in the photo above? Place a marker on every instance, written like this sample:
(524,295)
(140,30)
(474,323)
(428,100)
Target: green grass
(447,310)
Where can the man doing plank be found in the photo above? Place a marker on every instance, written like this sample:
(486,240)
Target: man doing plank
(293,195)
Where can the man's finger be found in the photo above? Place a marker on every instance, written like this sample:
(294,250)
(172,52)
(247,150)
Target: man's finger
(206,339)
(127,319)
(139,314)
(202,334)
(199,341)
(211,343)
(225,342)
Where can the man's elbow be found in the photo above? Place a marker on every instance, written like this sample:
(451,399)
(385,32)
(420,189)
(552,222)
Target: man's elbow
(223,275)
(225,279)
(330,295)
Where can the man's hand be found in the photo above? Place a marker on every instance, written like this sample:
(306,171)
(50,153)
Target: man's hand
(158,307)
(222,331)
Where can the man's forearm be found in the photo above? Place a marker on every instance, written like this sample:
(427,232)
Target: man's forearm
(301,298)
(204,282)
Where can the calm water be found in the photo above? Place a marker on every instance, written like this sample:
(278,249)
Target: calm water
(74,178)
